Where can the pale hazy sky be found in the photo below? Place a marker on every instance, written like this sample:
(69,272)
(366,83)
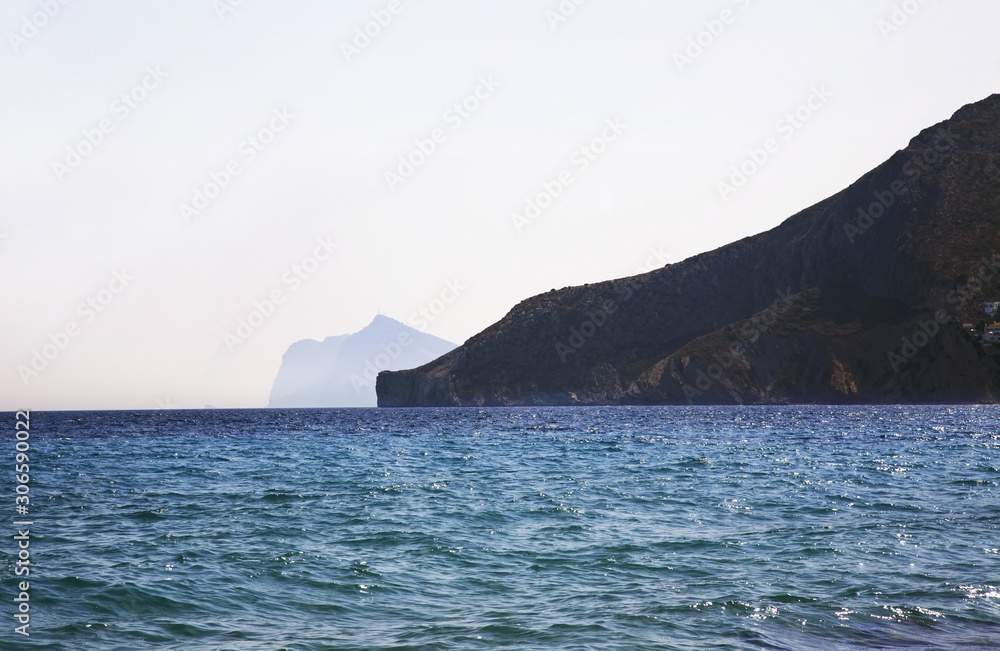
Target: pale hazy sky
(135,296)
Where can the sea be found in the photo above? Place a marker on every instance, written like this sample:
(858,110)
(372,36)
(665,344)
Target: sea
(792,527)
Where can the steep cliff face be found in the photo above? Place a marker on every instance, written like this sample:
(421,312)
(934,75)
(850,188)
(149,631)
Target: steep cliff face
(858,298)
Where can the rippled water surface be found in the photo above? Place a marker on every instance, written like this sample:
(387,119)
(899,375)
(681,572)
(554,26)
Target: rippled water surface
(585,528)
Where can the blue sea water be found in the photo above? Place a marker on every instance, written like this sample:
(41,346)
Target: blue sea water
(526,528)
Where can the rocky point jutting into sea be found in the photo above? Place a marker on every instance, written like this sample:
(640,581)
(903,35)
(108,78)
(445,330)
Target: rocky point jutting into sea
(859,298)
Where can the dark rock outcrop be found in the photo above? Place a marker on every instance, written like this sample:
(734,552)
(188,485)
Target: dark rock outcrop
(859,298)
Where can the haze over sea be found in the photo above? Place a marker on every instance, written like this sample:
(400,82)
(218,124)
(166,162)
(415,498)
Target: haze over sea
(533,528)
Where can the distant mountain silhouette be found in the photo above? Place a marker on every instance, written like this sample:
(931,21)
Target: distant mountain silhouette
(340,371)
(858,299)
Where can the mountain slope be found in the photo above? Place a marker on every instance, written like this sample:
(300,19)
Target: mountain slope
(826,307)
(340,371)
